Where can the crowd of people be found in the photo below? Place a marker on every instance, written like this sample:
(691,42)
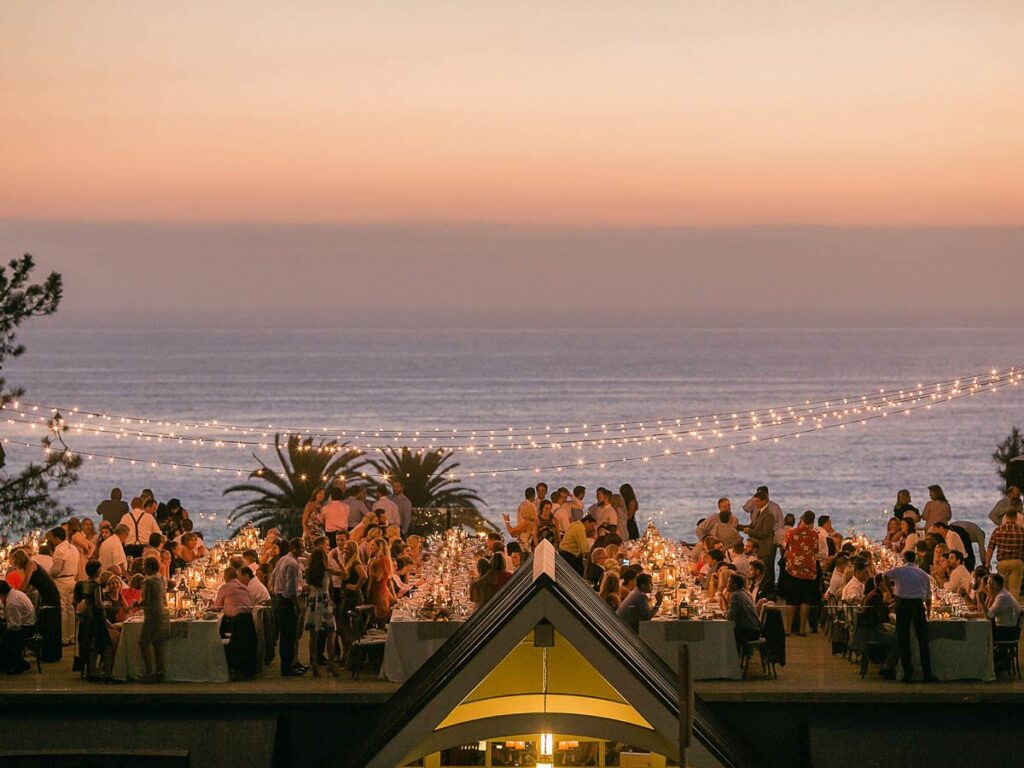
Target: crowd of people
(356,559)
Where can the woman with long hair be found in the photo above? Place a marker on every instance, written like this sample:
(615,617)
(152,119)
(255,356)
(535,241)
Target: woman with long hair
(381,593)
(609,590)
(909,534)
(156,627)
(311,523)
(937,510)
(893,540)
(546,528)
(78,539)
(629,496)
(621,516)
(320,609)
(93,638)
(91,535)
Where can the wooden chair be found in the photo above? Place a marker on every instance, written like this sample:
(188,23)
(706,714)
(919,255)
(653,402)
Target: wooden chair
(1006,652)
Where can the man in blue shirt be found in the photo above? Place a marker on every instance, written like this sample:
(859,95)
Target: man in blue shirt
(912,588)
(284,589)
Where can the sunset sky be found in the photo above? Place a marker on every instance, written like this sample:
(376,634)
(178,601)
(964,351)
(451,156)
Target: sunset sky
(567,112)
(640,117)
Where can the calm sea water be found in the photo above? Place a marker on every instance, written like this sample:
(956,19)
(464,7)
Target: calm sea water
(423,379)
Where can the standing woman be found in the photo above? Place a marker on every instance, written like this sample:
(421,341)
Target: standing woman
(937,510)
(93,637)
(91,536)
(320,608)
(621,516)
(351,592)
(381,594)
(156,627)
(312,526)
(629,496)
(78,539)
(545,528)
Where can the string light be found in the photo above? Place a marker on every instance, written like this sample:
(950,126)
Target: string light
(529,433)
(978,384)
(774,418)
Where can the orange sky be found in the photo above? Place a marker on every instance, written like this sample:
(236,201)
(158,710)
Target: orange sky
(620,113)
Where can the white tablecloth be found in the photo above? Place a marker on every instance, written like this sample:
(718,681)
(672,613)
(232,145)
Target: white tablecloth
(410,643)
(712,646)
(194,653)
(960,650)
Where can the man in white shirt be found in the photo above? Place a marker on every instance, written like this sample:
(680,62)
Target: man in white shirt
(111,555)
(1002,607)
(140,522)
(838,580)
(562,513)
(606,514)
(64,573)
(959,581)
(258,593)
(853,591)
(335,515)
(391,514)
(20,618)
(576,505)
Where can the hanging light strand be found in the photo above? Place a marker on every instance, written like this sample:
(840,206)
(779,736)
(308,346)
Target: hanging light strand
(604,438)
(547,431)
(991,385)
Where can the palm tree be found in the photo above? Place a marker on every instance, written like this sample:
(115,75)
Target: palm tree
(428,479)
(280,495)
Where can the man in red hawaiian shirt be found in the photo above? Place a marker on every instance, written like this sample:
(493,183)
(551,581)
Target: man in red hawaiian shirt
(801,560)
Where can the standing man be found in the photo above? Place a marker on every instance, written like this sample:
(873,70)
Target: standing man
(762,531)
(112,509)
(903,508)
(403,504)
(1003,505)
(576,502)
(542,493)
(284,589)
(575,545)
(912,588)
(336,515)
(560,511)
(140,523)
(355,497)
(111,553)
(64,573)
(1007,542)
(767,555)
(391,514)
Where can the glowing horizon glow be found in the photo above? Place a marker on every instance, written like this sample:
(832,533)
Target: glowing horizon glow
(661,114)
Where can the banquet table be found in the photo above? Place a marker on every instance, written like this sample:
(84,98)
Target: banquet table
(195,652)
(712,646)
(410,643)
(960,649)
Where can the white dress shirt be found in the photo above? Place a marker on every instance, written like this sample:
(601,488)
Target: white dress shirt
(959,579)
(112,554)
(147,525)
(65,561)
(257,591)
(18,610)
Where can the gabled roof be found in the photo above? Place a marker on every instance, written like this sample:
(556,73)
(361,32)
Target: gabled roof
(545,588)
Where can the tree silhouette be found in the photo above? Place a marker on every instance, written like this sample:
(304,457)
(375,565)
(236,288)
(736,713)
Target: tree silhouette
(26,496)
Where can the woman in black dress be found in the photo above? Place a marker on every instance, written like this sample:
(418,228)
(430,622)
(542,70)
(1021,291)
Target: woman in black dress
(93,636)
(49,616)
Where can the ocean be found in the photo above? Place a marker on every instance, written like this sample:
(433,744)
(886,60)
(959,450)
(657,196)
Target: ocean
(426,379)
